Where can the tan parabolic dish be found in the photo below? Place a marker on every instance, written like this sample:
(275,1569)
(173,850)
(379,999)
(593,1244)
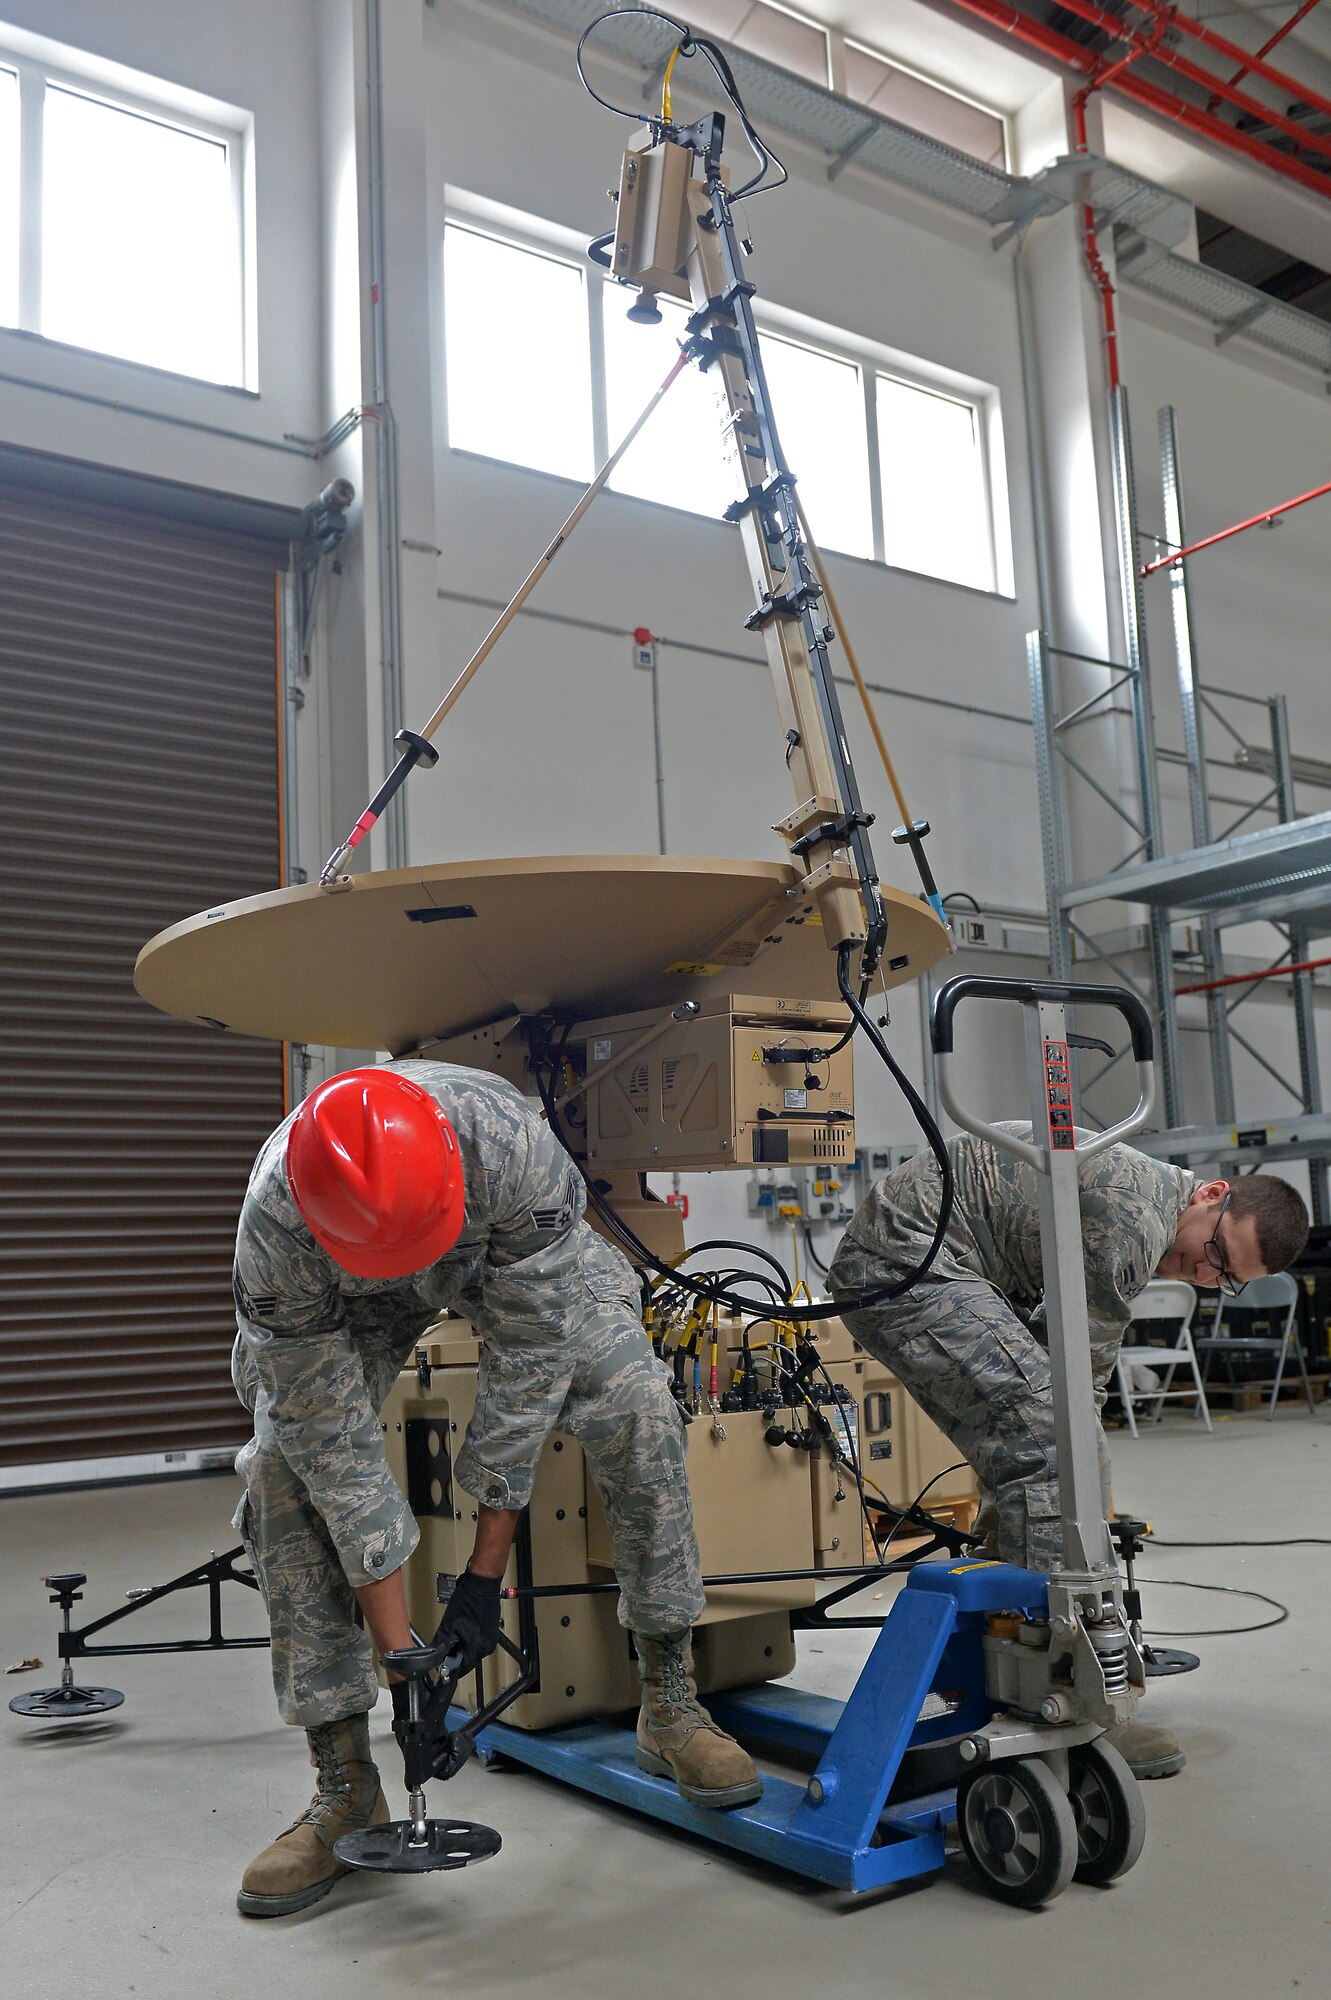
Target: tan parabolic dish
(411,954)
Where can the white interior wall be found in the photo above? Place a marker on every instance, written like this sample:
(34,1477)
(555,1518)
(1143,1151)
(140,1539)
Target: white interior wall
(551,750)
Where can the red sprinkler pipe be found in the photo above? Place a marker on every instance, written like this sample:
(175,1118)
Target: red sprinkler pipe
(1002,15)
(1251,978)
(1094,263)
(1168,18)
(1175,18)
(1267,46)
(1103,282)
(1253,521)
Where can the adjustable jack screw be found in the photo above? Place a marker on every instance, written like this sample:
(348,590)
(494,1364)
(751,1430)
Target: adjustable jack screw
(67,1702)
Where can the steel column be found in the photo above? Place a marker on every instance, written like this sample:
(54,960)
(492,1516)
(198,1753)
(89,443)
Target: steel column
(1081,1500)
(1194,746)
(1305,1013)
(387,479)
(1310,1075)
(1125,494)
(1053,813)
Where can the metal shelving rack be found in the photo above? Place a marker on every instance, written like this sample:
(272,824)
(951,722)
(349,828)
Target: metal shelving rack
(1278,874)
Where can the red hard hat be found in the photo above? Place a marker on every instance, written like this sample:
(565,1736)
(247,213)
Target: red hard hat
(374,1168)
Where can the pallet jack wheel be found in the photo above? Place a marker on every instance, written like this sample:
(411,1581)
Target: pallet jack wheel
(65,1704)
(1017,1827)
(1107,1807)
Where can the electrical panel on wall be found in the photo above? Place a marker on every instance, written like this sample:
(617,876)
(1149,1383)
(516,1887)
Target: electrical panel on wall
(817,1196)
(978,931)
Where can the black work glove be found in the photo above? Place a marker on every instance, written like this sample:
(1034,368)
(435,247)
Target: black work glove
(470,1624)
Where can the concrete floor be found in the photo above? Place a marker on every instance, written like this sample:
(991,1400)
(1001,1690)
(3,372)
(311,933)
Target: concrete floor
(125,1838)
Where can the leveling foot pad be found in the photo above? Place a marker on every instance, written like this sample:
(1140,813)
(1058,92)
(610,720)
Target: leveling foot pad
(65,1704)
(1161,1662)
(393,1849)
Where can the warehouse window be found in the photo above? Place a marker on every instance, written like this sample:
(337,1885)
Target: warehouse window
(819,404)
(936,515)
(515,332)
(136,238)
(925,107)
(796,44)
(817,399)
(8,197)
(677,460)
(123,230)
(546,370)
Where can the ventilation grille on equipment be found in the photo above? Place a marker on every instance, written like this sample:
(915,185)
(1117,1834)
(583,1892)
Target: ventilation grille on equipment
(830,1142)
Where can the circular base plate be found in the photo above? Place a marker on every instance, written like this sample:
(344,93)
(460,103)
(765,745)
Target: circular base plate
(1162,1661)
(407,956)
(390,1850)
(64,1704)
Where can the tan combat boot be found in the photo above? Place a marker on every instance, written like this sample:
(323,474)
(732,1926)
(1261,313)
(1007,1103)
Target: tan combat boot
(300,1866)
(677,1737)
(1148,1751)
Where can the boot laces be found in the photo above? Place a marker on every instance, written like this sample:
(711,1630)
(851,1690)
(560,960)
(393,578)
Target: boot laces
(332,1784)
(675,1692)
(331,1773)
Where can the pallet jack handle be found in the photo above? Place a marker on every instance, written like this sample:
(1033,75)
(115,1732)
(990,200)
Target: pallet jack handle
(1034,994)
(1086,1550)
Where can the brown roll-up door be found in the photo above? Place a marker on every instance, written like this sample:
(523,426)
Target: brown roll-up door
(138,784)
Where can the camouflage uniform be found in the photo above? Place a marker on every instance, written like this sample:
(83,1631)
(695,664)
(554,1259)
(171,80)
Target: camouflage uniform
(968,1342)
(557,1312)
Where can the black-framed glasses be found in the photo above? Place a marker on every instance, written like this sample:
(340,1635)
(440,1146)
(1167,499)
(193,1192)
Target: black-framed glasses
(1215,1257)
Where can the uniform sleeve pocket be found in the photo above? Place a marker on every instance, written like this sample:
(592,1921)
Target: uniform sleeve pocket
(608,1288)
(1042,1499)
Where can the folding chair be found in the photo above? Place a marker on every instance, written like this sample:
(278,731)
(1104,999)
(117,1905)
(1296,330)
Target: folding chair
(1279,1295)
(1163,1298)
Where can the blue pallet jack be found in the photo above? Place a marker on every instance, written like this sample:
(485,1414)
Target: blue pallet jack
(1031,1669)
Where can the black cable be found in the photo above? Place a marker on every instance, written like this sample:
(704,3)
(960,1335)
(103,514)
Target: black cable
(748,1250)
(1291,1542)
(758,184)
(1224,1590)
(903,1515)
(615,14)
(923,1119)
(960,896)
(688,46)
(814,1258)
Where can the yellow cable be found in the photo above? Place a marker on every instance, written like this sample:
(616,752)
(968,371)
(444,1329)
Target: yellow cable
(665,87)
